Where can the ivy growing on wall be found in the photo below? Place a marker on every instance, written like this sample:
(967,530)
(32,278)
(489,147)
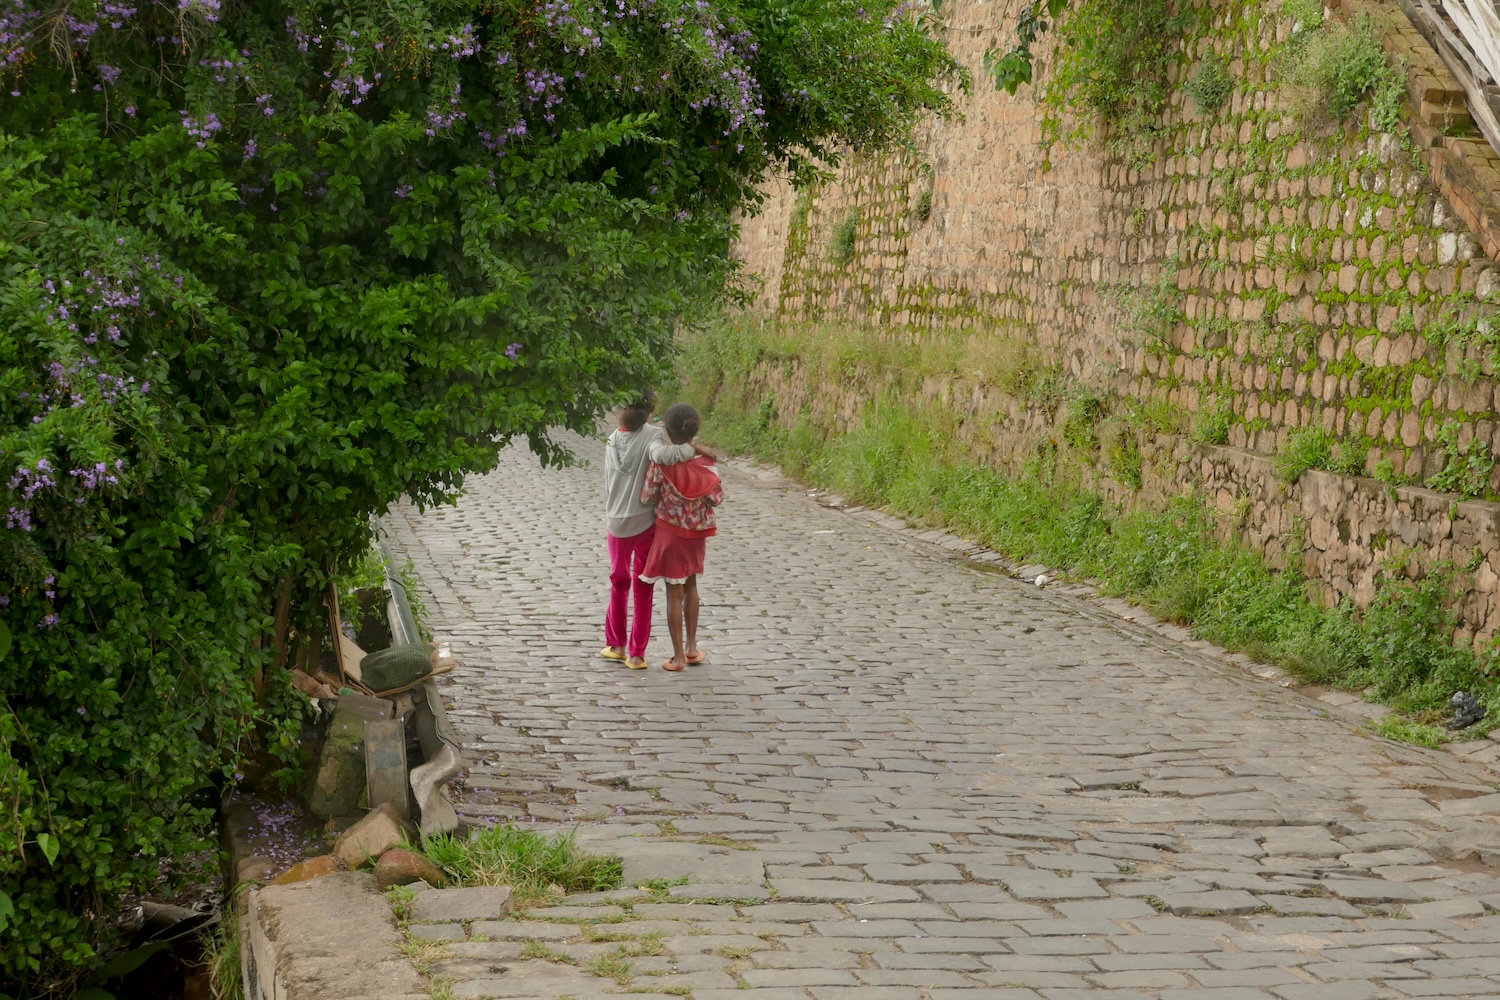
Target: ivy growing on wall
(1111,74)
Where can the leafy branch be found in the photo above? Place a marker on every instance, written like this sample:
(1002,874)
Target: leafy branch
(1012,68)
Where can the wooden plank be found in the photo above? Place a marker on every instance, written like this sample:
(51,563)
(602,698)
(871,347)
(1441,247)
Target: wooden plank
(345,649)
(1461,63)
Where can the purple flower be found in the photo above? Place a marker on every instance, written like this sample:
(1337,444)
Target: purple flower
(48,622)
(513,351)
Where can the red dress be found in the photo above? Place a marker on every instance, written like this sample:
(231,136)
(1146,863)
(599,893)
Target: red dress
(685,496)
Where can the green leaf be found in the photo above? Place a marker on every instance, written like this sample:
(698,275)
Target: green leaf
(7,910)
(94,993)
(49,846)
(4,652)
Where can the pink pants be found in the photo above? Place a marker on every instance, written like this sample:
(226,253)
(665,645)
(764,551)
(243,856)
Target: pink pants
(623,579)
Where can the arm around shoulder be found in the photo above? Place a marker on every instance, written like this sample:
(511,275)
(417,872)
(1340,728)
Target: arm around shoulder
(666,453)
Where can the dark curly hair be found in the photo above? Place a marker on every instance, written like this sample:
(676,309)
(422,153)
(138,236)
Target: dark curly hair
(682,423)
(634,416)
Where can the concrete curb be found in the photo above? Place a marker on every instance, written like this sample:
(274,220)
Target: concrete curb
(333,938)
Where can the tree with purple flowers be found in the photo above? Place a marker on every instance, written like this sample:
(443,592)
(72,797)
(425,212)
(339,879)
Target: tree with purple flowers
(267,268)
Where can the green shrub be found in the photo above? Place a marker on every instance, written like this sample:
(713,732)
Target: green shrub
(1349,457)
(1333,70)
(302,261)
(1153,310)
(1125,460)
(1211,424)
(1469,466)
(841,242)
(1305,15)
(1385,471)
(1212,85)
(1306,448)
(1081,429)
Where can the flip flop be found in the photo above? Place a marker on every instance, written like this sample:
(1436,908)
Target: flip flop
(637,663)
(610,654)
(695,660)
(669,665)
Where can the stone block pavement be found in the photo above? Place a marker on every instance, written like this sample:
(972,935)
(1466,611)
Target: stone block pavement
(903,776)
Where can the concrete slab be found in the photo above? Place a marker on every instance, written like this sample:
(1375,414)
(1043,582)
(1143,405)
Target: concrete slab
(333,938)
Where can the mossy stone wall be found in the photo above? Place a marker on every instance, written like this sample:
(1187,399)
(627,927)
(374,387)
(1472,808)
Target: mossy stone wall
(1284,275)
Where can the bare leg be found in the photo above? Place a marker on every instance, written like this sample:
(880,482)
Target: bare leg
(690,612)
(674,626)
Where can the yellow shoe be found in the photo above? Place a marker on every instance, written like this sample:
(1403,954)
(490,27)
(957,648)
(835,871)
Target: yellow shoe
(609,653)
(636,663)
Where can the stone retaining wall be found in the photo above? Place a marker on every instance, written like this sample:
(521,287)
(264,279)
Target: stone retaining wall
(1296,276)
(1346,530)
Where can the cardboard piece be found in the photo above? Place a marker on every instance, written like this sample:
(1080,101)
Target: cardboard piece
(345,649)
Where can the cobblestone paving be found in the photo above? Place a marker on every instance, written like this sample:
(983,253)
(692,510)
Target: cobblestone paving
(902,777)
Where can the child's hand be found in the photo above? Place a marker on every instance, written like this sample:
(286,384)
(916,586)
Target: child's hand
(705,451)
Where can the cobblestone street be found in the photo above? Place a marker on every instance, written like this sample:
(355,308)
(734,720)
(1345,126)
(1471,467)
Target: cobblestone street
(901,776)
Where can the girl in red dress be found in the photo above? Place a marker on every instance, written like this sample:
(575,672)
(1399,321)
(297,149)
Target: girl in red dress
(685,496)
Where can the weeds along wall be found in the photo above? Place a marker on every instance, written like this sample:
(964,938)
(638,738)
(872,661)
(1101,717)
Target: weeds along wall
(1271,281)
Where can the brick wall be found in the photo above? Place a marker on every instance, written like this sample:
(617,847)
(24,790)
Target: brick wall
(1340,279)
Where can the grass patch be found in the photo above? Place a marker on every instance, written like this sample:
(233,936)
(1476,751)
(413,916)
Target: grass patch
(1406,730)
(1306,448)
(923,208)
(401,898)
(719,840)
(909,460)
(423,955)
(1211,424)
(660,885)
(537,866)
(614,965)
(863,358)
(412,585)
(221,954)
(648,946)
(597,935)
(545,952)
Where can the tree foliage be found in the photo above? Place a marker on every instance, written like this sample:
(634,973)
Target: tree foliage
(266,268)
